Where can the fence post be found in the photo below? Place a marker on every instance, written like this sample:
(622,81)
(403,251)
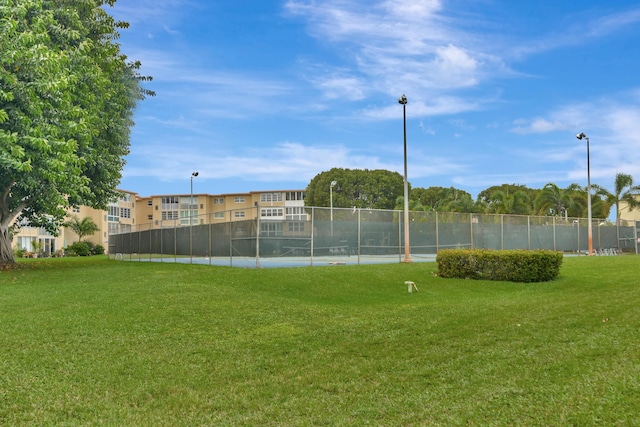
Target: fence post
(359,236)
(230,239)
(257,235)
(471,228)
(313,221)
(399,239)
(501,231)
(554,233)
(578,227)
(437,233)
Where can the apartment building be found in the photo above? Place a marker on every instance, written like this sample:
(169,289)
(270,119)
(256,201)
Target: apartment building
(120,215)
(171,210)
(280,211)
(627,214)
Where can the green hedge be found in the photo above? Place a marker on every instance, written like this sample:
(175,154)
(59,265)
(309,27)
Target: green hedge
(512,266)
(84,249)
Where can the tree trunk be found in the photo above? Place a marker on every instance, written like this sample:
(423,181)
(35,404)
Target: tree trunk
(6,253)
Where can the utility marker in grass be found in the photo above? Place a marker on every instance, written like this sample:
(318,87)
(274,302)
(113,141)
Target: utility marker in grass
(411,286)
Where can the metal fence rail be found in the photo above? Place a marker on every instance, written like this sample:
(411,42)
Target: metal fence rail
(350,234)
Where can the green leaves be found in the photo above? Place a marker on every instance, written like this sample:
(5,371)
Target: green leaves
(66,99)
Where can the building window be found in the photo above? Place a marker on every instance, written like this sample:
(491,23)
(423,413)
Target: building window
(189,203)
(296,213)
(125,213)
(271,229)
(271,212)
(296,226)
(296,195)
(125,197)
(239,214)
(218,201)
(150,202)
(218,215)
(169,215)
(185,216)
(239,199)
(119,228)
(170,203)
(113,214)
(150,217)
(270,197)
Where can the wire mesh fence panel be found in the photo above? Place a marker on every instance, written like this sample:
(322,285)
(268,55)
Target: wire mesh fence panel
(338,235)
(517,232)
(627,236)
(243,238)
(168,242)
(454,231)
(220,243)
(335,232)
(605,237)
(380,232)
(182,241)
(199,235)
(423,236)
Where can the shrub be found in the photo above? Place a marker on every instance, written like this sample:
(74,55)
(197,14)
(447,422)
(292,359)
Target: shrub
(19,252)
(512,266)
(79,249)
(85,249)
(97,250)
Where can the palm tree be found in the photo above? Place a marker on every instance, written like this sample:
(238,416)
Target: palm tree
(625,192)
(82,227)
(555,201)
(516,203)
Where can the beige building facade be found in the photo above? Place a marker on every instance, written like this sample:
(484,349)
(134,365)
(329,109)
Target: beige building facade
(627,214)
(132,212)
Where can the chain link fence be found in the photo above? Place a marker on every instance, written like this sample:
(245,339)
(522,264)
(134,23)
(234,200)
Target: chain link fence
(325,235)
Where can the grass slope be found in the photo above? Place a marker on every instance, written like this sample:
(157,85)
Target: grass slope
(93,341)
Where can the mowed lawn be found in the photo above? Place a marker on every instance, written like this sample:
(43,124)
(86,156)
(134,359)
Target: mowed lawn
(100,342)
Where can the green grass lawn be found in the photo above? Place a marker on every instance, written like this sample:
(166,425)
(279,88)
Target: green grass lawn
(94,341)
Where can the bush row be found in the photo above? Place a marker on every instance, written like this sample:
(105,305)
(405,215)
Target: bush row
(512,265)
(84,249)
(76,249)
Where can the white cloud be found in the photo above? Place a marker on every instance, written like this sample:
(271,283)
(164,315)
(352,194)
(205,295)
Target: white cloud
(395,46)
(582,32)
(412,9)
(570,117)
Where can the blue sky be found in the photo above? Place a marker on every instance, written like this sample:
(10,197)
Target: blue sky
(266,94)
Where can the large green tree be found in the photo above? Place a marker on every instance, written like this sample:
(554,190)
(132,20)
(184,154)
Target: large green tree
(67,95)
(362,188)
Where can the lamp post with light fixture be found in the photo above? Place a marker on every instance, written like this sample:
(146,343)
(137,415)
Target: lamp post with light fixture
(582,136)
(407,247)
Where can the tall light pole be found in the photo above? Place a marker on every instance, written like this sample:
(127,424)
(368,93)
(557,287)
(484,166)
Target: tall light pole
(333,184)
(193,175)
(407,250)
(581,136)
